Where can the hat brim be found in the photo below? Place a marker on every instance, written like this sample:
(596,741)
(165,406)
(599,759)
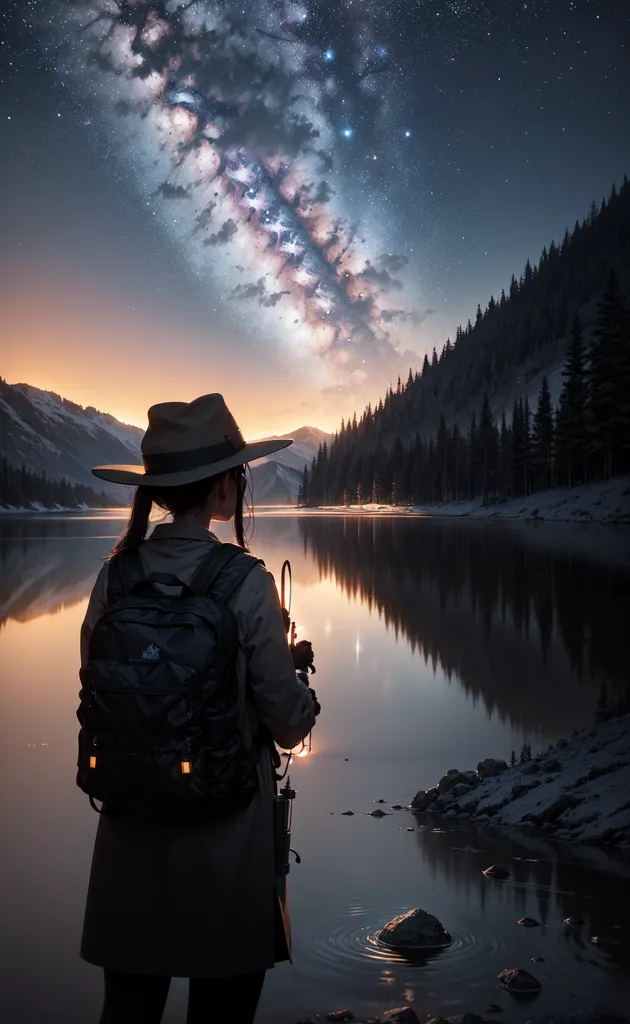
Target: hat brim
(137,477)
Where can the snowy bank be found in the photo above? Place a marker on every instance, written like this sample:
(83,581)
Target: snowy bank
(606,501)
(578,789)
(36,507)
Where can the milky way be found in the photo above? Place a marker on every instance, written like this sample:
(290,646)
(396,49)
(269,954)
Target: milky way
(227,117)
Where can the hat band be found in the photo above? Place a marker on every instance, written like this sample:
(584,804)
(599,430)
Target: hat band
(176,462)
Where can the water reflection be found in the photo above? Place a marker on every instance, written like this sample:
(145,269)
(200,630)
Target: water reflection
(492,608)
(522,619)
(49,564)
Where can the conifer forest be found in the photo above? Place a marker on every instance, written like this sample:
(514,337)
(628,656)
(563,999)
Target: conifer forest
(414,446)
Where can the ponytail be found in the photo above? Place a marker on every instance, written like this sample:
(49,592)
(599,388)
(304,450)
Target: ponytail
(138,522)
(239,532)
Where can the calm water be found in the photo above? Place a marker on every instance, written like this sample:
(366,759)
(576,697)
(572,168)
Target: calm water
(437,643)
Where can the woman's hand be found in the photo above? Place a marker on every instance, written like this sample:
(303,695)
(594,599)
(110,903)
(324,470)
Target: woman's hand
(303,656)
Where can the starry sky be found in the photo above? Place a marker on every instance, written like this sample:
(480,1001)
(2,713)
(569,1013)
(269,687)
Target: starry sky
(288,202)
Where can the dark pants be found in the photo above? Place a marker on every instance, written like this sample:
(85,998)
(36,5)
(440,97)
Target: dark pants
(140,999)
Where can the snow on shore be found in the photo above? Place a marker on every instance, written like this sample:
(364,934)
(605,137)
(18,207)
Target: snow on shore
(606,501)
(578,789)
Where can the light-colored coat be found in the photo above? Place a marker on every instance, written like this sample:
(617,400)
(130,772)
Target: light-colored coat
(202,901)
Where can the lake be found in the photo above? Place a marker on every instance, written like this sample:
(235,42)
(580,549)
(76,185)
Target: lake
(438,643)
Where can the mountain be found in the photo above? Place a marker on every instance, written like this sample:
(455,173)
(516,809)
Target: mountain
(50,434)
(280,485)
(306,442)
(274,484)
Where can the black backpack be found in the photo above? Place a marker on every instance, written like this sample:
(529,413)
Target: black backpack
(159,735)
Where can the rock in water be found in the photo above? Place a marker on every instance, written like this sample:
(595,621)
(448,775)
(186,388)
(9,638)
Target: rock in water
(496,871)
(519,982)
(415,930)
(573,921)
(339,1015)
(378,813)
(348,813)
(424,799)
(490,767)
(528,922)
(404,1015)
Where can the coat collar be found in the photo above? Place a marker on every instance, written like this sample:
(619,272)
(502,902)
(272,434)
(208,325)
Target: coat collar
(182,531)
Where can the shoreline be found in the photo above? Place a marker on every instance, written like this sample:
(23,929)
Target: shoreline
(577,790)
(605,501)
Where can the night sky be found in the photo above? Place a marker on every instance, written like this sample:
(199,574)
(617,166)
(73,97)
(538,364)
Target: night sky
(286,202)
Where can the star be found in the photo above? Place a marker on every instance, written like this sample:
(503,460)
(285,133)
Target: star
(329,55)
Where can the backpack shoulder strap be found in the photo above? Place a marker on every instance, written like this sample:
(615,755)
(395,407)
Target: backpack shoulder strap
(222,572)
(124,570)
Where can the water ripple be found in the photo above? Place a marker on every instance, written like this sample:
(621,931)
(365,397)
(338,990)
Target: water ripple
(347,946)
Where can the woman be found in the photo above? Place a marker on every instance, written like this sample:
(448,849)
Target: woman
(197,901)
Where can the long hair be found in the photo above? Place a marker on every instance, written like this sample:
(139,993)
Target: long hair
(177,500)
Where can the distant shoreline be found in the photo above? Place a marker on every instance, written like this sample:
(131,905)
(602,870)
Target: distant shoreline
(606,501)
(44,510)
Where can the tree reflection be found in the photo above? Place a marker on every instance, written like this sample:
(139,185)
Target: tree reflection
(525,627)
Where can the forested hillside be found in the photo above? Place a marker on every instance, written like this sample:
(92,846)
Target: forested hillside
(437,436)
(20,488)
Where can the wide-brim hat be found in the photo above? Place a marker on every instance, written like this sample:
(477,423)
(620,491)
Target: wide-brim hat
(189,441)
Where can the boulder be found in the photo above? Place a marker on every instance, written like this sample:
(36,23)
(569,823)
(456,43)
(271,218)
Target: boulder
(551,765)
(528,922)
(415,930)
(378,813)
(563,803)
(348,813)
(473,778)
(448,782)
(423,799)
(404,1015)
(519,982)
(461,789)
(491,767)
(496,871)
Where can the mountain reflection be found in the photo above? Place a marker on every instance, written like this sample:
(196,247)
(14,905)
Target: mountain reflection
(46,566)
(524,620)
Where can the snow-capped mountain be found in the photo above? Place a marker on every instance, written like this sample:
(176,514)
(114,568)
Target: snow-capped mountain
(277,477)
(306,441)
(48,433)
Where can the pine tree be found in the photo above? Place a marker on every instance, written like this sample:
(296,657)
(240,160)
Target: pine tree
(513,758)
(488,450)
(542,440)
(571,424)
(609,385)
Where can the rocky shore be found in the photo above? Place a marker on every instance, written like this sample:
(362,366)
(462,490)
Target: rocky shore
(407,1015)
(577,790)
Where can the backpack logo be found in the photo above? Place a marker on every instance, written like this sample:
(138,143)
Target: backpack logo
(152,653)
